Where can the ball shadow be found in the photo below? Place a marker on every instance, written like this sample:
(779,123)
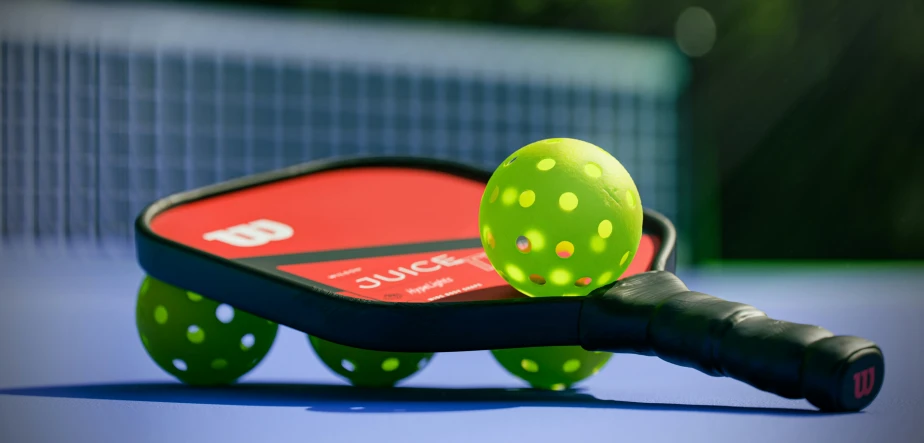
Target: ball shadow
(349,399)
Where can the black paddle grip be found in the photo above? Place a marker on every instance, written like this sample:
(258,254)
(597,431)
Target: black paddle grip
(655,314)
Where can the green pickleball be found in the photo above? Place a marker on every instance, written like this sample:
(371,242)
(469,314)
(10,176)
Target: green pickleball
(560,217)
(197,340)
(552,367)
(368,368)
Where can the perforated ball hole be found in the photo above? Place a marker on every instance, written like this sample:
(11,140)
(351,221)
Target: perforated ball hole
(546,164)
(568,201)
(625,257)
(593,170)
(582,282)
(630,199)
(524,245)
(564,249)
(510,161)
(195,334)
(527,198)
(224,313)
(348,365)
(179,364)
(605,228)
(537,279)
(247,341)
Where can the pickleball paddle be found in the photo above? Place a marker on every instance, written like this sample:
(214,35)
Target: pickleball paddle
(384,254)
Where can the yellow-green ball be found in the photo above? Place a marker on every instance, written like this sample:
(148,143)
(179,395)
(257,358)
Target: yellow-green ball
(198,340)
(366,367)
(552,367)
(560,217)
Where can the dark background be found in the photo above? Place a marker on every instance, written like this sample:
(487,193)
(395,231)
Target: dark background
(808,119)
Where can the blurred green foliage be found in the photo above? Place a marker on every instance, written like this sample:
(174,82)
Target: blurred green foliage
(808,116)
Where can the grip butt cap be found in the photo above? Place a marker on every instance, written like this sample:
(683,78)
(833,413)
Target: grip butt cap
(843,373)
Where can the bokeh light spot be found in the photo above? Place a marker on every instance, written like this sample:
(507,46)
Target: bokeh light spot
(510,196)
(695,31)
(560,276)
(597,244)
(536,239)
(514,272)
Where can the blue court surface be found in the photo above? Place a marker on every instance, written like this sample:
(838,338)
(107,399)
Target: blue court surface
(73,369)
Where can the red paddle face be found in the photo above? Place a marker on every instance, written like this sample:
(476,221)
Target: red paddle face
(382,233)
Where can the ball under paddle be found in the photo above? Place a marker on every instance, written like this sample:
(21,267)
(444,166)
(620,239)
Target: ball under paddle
(366,367)
(198,340)
(552,367)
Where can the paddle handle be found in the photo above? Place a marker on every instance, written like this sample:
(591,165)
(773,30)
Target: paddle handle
(654,313)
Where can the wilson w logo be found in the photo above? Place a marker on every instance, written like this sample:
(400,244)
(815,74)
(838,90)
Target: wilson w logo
(863,382)
(255,233)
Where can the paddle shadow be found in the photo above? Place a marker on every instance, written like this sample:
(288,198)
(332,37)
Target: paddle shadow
(344,398)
